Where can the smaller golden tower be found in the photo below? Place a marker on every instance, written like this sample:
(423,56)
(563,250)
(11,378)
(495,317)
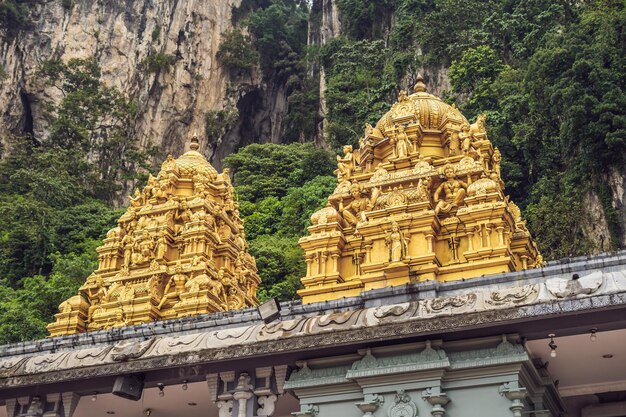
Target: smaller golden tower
(179,250)
(421,199)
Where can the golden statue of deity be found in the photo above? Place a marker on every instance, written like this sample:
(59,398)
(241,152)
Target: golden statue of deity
(397,242)
(424,172)
(451,193)
(167,258)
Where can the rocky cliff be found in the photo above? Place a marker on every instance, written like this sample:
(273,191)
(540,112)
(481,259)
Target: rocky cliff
(120,35)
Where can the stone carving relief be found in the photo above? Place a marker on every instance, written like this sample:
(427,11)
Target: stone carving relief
(402,406)
(457,304)
(526,293)
(584,285)
(130,349)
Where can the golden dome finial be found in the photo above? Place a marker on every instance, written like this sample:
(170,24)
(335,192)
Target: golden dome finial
(420,87)
(195,143)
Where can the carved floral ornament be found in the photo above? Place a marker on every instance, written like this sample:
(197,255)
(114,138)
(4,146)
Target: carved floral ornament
(178,250)
(426,169)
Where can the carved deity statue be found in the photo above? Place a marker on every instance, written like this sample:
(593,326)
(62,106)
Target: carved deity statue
(97,295)
(169,164)
(346,164)
(402,144)
(183,215)
(235,300)
(145,247)
(216,286)
(454,143)
(450,193)
(495,160)
(161,247)
(398,243)
(177,280)
(465,137)
(137,200)
(424,188)
(355,211)
(128,242)
(120,319)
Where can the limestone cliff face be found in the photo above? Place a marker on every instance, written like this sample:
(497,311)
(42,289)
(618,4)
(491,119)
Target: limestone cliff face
(172,103)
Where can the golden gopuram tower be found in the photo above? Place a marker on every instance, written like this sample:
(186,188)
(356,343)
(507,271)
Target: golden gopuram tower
(179,250)
(421,199)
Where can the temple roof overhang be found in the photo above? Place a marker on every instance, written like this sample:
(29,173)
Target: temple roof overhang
(568,295)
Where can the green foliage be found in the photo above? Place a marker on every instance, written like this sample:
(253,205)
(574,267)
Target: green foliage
(365,19)
(25,311)
(54,194)
(279,187)
(301,202)
(158,61)
(281,265)
(155,33)
(218,122)
(270,170)
(91,145)
(15,15)
(559,119)
(555,215)
(278,30)
(473,74)
(236,51)
(356,92)
(303,114)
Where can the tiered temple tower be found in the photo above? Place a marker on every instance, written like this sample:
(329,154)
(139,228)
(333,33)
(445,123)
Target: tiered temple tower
(179,250)
(421,199)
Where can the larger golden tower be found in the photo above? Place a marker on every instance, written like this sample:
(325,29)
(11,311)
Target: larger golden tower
(421,199)
(179,250)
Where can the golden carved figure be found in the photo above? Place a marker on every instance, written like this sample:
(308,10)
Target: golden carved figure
(175,286)
(495,160)
(454,143)
(459,227)
(477,129)
(450,194)
(402,144)
(197,283)
(355,210)
(169,163)
(346,164)
(424,188)
(169,244)
(466,138)
(398,243)
(96,294)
